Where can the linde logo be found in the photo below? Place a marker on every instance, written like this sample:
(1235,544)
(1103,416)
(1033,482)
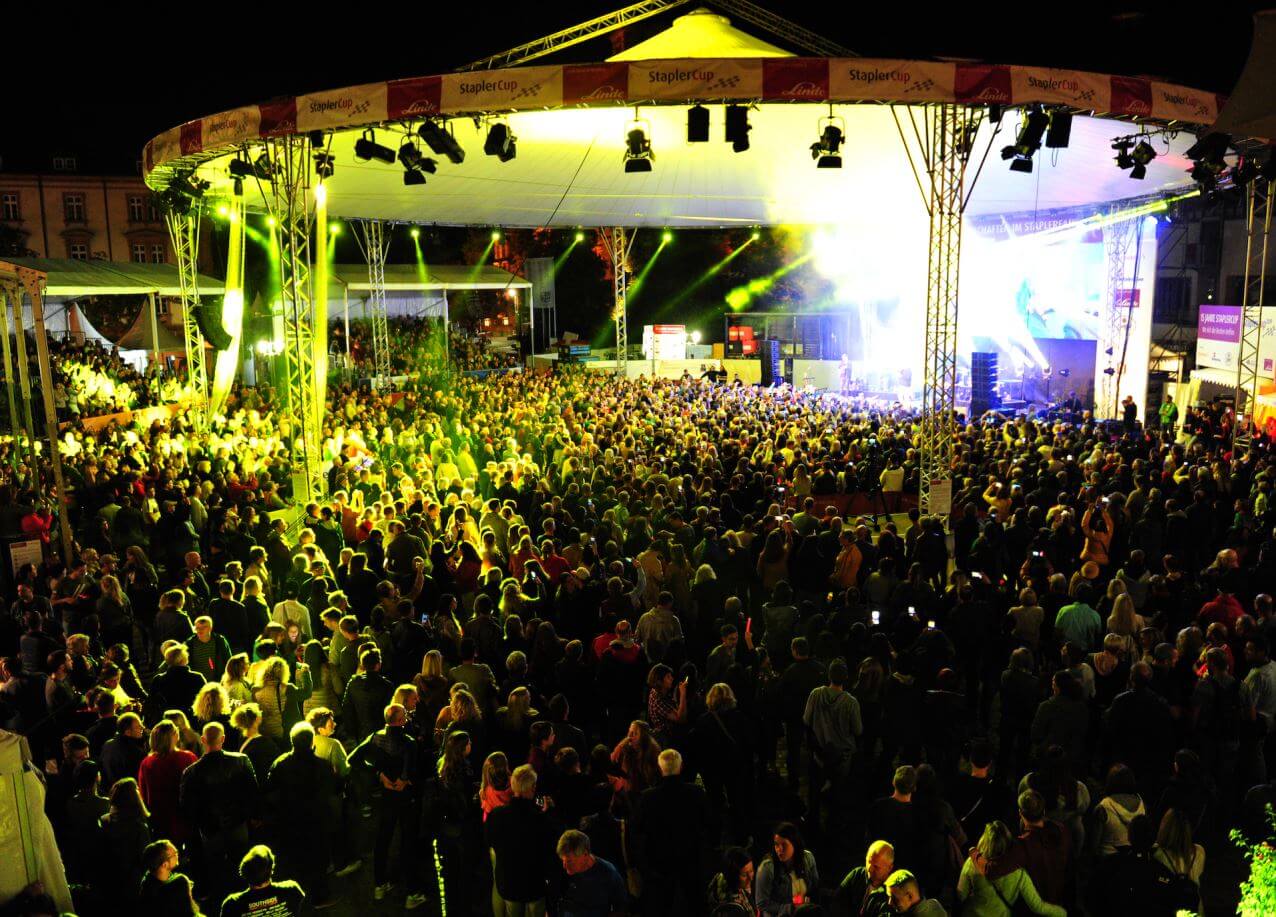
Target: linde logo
(481,86)
(679,76)
(322,105)
(1064,85)
(604,92)
(1137,107)
(421,107)
(805,90)
(879,76)
(991,94)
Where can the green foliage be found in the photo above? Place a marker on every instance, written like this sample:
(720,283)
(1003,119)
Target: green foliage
(1258,892)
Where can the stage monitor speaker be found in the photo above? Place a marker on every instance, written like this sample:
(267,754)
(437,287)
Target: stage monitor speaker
(772,368)
(983,383)
(209,321)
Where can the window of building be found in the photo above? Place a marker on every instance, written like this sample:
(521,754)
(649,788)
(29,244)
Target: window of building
(64,164)
(158,255)
(78,251)
(10,206)
(152,212)
(136,208)
(1173,302)
(73,208)
(139,253)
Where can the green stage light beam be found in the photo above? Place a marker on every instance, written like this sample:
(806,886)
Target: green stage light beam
(651,262)
(740,297)
(478,265)
(562,259)
(706,277)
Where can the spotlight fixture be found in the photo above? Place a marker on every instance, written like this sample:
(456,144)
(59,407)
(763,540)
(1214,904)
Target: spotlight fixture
(496,235)
(237,188)
(1208,162)
(638,154)
(666,236)
(263,168)
(738,127)
(500,142)
(1142,155)
(334,229)
(1028,141)
(756,235)
(325,164)
(415,232)
(366,148)
(580,236)
(994,113)
(316,139)
(1244,172)
(826,150)
(697,124)
(413,178)
(1060,129)
(410,155)
(190,186)
(1123,158)
(240,168)
(441,141)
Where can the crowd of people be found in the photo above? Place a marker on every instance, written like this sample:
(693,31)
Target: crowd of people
(422,346)
(90,380)
(550,646)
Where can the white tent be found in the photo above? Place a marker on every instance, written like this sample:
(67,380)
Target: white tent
(28,850)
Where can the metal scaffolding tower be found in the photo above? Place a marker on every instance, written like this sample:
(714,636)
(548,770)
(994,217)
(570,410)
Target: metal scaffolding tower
(290,158)
(945,140)
(183,229)
(1117,237)
(778,26)
(375,245)
(1258,224)
(618,244)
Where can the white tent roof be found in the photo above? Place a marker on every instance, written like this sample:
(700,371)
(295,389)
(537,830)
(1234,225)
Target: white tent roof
(700,33)
(68,279)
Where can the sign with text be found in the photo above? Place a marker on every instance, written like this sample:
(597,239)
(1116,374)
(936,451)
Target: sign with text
(863,79)
(540,272)
(695,79)
(503,90)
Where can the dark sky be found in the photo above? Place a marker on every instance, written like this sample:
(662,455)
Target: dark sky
(99,86)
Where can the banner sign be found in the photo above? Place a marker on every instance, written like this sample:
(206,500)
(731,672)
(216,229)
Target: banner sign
(796,78)
(353,107)
(864,79)
(941,497)
(1178,103)
(696,79)
(1218,337)
(1063,87)
(595,83)
(500,90)
(232,127)
(419,98)
(540,272)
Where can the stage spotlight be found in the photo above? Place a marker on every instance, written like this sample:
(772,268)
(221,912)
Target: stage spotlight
(223,210)
(410,155)
(697,124)
(756,235)
(316,139)
(695,337)
(496,235)
(240,168)
(738,127)
(271,222)
(1109,371)
(263,168)
(1141,155)
(994,113)
(413,178)
(440,141)
(334,229)
(1211,148)
(666,236)
(825,151)
(580,236)
(638,154)
(1060,130)
(415,232)
(500,142)
(325,165)
(1244,172)
(1028,140)
(366,148)
(1123,158)
(237,188)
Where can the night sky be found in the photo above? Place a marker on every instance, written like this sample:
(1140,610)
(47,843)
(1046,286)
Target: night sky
(98,86)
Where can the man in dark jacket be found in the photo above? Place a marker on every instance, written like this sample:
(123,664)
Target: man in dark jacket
(795,687)
(218,794)
(1044,850)
(122,756)
(366,695)
(395,757)
(304,787)
(521,838)
(175,687)
(670,819)
(1140,728)
(230,618)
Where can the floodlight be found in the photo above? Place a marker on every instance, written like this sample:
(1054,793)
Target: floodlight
(367,148)
(697,124)
(580,236)
(1060,130)
(413,178)
(240,168)
(738,127)
(825,150)
(410,155)
(1031,130)
(1021,164)
(1123,158)
(263,168)
(500,142)
(756,235)
(638,154)
(334,229)
(415,232)
(325,165)
(667,236)
(496,235)
(441,142)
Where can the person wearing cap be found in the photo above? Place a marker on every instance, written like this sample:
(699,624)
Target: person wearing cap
(906,896)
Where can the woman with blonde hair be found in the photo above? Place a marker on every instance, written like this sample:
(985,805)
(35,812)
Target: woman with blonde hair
(235,680)
(462,714)
(259,749)
(160,777)
(1175,849)
(1125,622)
(513,723)
(114,612)
(279,700)
(212,705)
(431,686)
(187,738)
(988,887)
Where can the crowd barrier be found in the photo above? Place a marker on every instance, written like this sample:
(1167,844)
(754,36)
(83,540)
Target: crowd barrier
(143,416)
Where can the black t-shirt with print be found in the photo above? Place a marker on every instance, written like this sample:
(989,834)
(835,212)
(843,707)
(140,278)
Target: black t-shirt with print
(279,899)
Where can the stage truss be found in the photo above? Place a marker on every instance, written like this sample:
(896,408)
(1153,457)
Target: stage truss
(375,245)
(290,161)
(1117,236)
(619,243)
(945,141)
(1258,224)
(183,230)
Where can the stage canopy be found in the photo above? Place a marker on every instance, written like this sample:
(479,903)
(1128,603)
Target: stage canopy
(432,278)
(571,123)
(69,279)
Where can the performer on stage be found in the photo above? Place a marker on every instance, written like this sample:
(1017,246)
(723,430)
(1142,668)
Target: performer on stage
(844,375)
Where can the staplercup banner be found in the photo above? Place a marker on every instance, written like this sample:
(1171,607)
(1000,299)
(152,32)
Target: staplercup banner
(863,79)
(503,90)
(696,79)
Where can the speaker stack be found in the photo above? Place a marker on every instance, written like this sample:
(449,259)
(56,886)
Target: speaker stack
(772,369)
(983,383)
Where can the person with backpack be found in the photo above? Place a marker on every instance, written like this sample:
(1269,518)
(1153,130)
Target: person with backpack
(1182,860)
(1120,804)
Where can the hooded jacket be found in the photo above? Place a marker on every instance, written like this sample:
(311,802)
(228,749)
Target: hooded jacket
(833,716)
(1044,852)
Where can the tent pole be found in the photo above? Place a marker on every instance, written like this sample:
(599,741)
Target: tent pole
(155,348)
(8,371)
(32,281)
(24,375)
(531,320)
(447,328)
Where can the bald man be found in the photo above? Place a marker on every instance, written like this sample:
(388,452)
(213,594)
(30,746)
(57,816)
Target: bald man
(863,891)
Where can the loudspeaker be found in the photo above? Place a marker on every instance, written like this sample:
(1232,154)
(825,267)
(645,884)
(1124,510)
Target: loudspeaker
(983,383)
(772,369)
(698,124)
(210,326)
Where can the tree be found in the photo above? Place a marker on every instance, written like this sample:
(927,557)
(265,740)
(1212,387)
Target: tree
(1258,892)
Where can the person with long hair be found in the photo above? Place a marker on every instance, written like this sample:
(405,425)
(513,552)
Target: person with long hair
(990,886)
(734,884)
(666,703)
(455,827)
(235,680)
(494,784)
(125,834)
(788,878)
(462,714)
(114,612)
(212,704)
(637,756)
(431,686)
(159,780)
(1175,849)
(261,750)
(513,724)
(280,700)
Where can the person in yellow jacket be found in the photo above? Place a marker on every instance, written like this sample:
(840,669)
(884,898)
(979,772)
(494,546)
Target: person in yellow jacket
(1096,525)
(846,568)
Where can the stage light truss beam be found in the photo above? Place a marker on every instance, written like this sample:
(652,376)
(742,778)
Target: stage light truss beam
(1117,237)
(778,26)
(618,243)
(372,240)
(1258,224)
(183,230)
(944,144)
(290,157)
